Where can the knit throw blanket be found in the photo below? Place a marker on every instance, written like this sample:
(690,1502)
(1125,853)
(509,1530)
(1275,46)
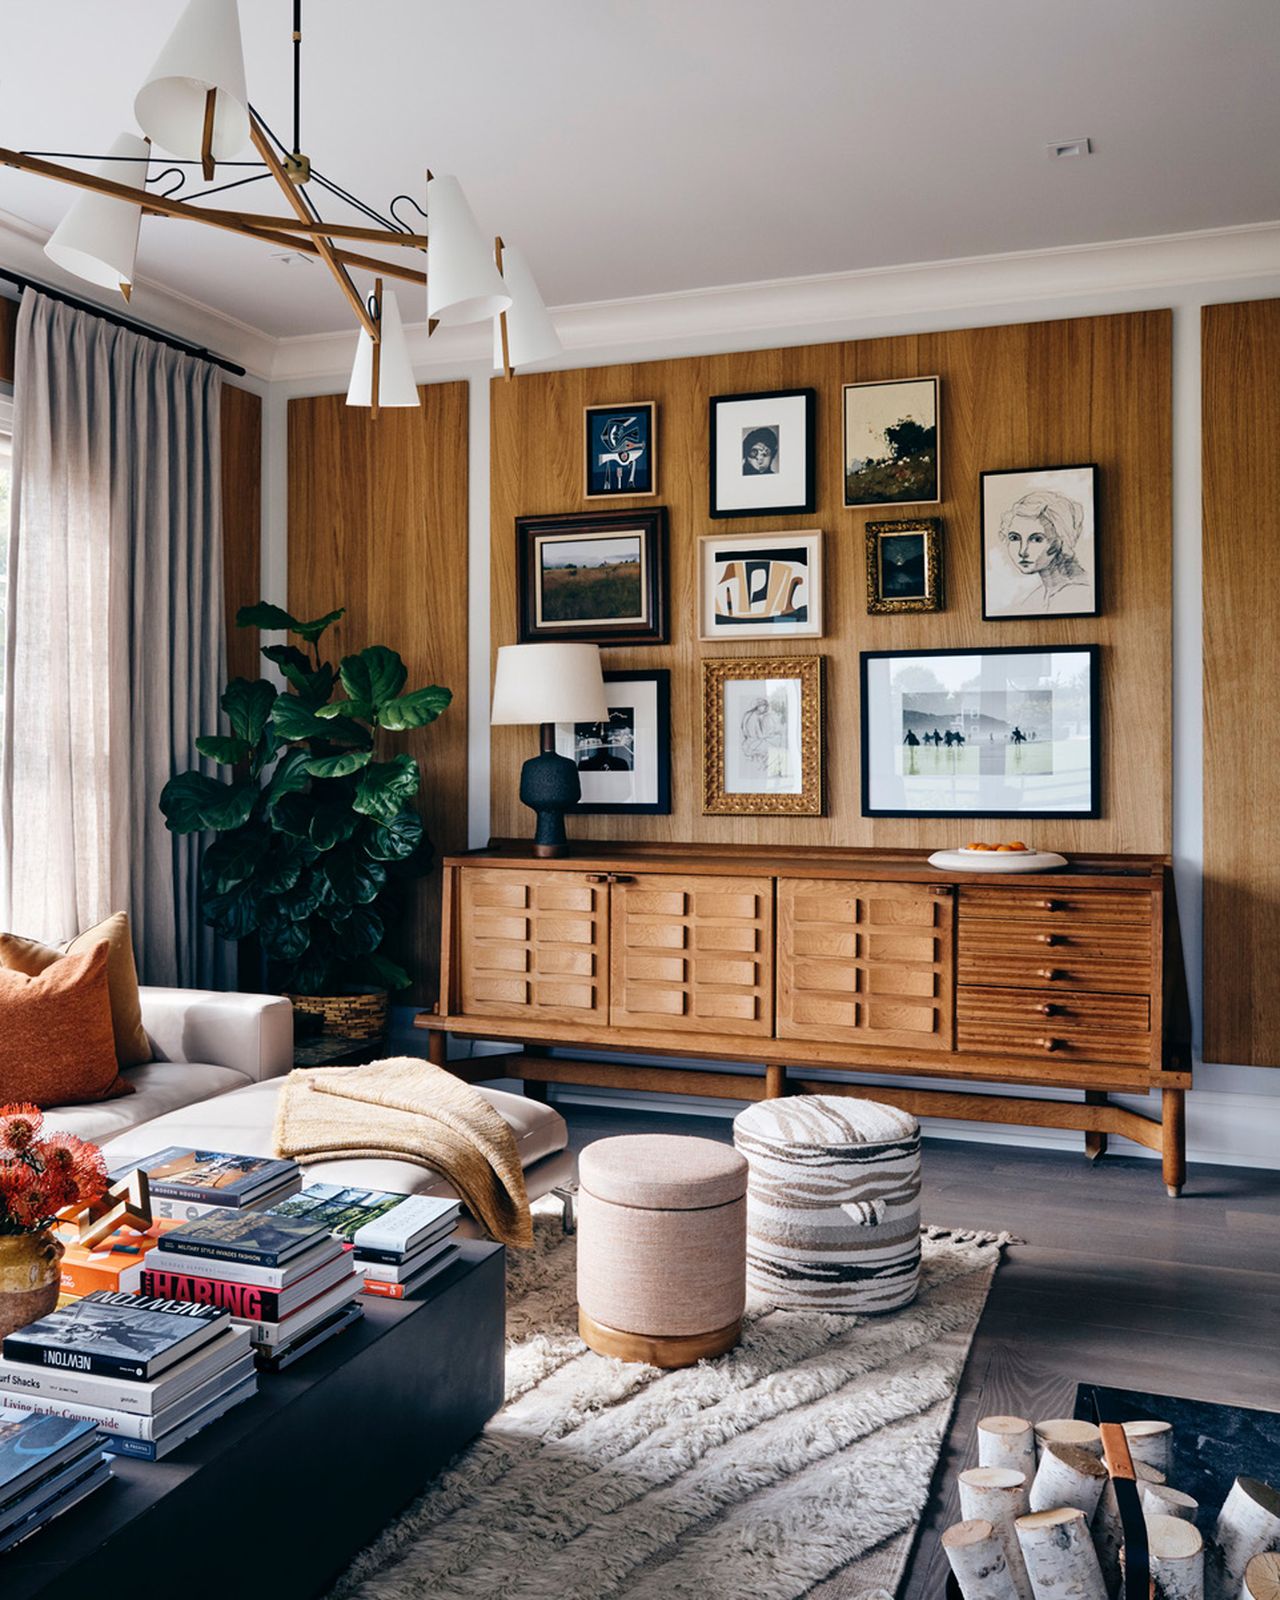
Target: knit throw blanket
(410,1110)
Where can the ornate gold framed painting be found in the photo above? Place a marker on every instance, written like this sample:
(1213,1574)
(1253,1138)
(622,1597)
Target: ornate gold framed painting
(904,566)
(762,736)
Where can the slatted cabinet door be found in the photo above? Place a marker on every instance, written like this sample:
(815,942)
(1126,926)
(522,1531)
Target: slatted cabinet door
(865,963)
(692,954)
(533,944)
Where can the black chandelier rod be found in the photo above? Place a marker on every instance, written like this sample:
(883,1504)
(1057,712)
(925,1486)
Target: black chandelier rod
(133,326)
(297,77)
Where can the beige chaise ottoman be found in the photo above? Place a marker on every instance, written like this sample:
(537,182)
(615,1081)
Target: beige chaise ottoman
(661,1248)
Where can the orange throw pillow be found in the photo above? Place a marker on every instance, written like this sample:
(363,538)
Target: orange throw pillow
(30,956)
(57,1047)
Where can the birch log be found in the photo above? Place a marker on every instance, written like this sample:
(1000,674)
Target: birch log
(1159,1500)
(1248,1525)
(1151,1443)
(1108,1531)
(1059,1555)
(1007,1442)
(1262,1578)
(1176,1552)
(998,1495)
(1067,1476)
(1066,1430)
(977,1558)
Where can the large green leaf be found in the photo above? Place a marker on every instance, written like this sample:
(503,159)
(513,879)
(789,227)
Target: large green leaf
(219,747)
(332,825)
(247,703)
(234,914)
(349,878)
(286,655)
(384,786)
(232,859)
(380,969)
(292,814)
(414,710)
(298,903)
(293,719)
(285,940)
(191,802)
(395,840)
(339,766)
(374,676)
(362,932)
(350,709)
(281,866)
(265,615)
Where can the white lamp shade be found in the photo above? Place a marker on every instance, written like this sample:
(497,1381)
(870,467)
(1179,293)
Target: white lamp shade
(396,386)
(97,240)
(203,52)
(463,284)
(531,334)
(537,683)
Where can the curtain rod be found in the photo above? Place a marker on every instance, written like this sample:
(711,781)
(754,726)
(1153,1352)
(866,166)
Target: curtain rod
(122,322)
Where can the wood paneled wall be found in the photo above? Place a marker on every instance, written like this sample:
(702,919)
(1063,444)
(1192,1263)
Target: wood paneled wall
(1040,394)
(241,523)
(378,523)
(1240,373)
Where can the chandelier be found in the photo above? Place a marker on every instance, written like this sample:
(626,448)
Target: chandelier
(194,105)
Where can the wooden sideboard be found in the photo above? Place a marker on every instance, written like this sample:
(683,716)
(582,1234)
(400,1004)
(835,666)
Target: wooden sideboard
(840,961)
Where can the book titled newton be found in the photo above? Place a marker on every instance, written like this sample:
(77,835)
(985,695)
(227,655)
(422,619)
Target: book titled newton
(117,1335)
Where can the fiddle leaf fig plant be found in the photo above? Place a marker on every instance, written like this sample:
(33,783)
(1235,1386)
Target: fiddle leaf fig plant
(317,828)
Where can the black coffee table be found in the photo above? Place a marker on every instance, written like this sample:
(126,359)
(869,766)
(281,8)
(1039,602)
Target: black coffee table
(278,1496)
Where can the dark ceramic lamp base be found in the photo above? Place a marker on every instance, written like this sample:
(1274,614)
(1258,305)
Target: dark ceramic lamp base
(549,786)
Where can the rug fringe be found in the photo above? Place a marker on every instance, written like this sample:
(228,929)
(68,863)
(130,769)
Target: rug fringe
(1000,1241)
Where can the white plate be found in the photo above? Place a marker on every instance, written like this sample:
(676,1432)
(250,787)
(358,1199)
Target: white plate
(997,861)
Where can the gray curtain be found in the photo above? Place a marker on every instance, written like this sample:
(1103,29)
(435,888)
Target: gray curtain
(114,638)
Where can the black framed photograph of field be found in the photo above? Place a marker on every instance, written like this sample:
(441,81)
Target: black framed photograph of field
(892,446)
(1009,732)
(763,453)
(624,763)
(621,450)
(904,566)
(598,576)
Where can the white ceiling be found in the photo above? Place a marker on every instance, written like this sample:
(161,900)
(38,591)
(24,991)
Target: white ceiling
(640,147)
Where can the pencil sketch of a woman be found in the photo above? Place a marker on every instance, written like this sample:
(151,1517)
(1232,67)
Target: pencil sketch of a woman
(1039,533)
(763,734)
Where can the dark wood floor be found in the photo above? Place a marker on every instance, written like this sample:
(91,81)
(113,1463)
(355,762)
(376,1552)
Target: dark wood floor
(1114,1284)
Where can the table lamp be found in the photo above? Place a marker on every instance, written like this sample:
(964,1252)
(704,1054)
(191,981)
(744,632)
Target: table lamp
(546,684)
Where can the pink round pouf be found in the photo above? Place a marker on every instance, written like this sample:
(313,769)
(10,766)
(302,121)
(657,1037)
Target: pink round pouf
(662,1235)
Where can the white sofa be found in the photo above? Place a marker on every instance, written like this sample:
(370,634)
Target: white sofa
(219,1061)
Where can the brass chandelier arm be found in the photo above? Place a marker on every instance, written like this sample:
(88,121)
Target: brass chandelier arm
(324,245)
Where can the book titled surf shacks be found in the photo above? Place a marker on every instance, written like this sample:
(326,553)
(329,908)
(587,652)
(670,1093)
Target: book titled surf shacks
(249,1236)
(117,1335)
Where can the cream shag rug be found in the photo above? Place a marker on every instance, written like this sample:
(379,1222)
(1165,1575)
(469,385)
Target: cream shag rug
(796,1465)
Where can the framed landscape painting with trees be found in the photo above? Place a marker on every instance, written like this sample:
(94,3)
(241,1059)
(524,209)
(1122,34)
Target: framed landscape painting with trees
(892,453)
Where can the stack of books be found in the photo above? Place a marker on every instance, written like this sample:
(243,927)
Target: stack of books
(186,1184)
(285,1280)
(47,1464)
(115,1263)
(148,1373)
(399,1241)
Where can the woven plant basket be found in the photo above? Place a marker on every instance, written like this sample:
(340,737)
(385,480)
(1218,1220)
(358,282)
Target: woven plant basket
(346,1016)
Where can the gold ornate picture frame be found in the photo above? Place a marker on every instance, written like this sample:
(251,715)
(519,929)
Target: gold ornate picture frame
(904,566)
(762,736)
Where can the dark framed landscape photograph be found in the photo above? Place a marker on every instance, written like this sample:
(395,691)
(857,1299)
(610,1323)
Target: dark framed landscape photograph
(763,453)
(892,443)
(598,576)
(621,450)
(624,763)
(904,566)
(760,585)
(1005,732)
(1039,543)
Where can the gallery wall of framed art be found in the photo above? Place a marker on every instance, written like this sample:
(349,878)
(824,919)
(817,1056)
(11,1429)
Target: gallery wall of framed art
(1019,401)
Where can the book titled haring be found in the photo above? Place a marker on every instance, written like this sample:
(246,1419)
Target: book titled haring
(117,1335)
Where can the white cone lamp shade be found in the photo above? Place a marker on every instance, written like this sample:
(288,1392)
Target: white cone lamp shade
(203,52)
(396,386)
(463,284)
(531,334)
(97,240)
(537,683)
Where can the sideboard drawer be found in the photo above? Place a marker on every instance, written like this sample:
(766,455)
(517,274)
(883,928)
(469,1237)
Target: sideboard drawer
(1071,1027)
(1005,904)
(1108,957)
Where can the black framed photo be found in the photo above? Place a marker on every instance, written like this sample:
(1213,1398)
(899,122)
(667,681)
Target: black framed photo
(593,576)
(624,764)
(763,454)
(1005,732)
(892,443)
(621,450)
(1040,543)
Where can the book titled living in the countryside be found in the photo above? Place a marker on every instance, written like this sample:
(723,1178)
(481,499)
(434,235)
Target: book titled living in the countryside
(253,1236)
(210,1177)
(118,1335)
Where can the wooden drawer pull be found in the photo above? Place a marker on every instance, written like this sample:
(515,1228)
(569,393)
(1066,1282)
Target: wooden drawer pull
(1049,905)
(1050,1044)
(597,877)
(1052,974)
(941,888)
(1050,1010)
(1052,938)
(621,877)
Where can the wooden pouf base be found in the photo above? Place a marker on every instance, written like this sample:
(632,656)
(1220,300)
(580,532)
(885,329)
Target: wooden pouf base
(658,1350)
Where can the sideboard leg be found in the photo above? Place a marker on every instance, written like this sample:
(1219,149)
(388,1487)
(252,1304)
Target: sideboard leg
(437,1047)
(1173,1123)
(1095,1144)
(775,1082)
(534,1089)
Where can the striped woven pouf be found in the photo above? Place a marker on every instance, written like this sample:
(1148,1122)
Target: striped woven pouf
(833,1202)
